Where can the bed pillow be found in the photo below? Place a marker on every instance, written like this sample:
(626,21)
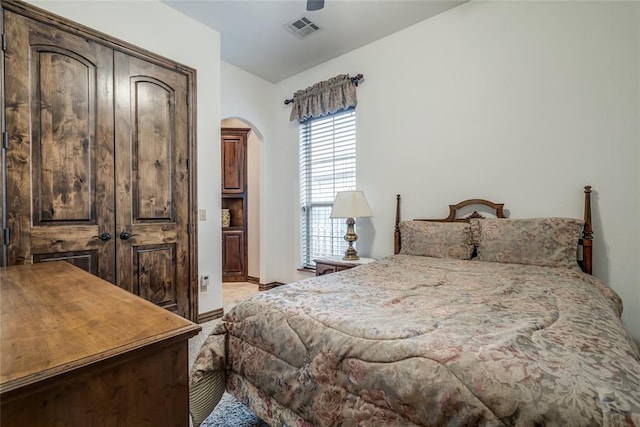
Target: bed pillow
(436,239)
(548,242)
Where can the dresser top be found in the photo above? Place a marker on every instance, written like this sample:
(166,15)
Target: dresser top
(55,318)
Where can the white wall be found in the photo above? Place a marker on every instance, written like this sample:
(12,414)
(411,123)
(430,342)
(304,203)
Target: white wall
(254,175)
(160,29)
(516,102)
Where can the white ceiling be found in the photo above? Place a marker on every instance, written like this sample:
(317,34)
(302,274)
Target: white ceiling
(254,39)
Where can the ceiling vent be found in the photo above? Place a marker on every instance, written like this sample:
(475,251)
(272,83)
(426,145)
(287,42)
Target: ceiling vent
(302,27)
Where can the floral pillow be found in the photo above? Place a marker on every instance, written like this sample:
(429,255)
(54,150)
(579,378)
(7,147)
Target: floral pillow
(548,242)
(436,239)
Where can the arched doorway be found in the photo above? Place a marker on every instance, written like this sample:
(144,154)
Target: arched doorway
(253,195)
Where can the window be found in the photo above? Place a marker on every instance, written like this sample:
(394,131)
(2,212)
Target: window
(327,165)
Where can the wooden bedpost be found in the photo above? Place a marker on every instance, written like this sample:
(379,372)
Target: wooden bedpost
(587,234)
(396,235)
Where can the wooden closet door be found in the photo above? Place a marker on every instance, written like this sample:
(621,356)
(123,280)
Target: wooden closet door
(59,159)
(152,182)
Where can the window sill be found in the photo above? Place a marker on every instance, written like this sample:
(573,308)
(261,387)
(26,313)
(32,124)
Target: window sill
(307,270)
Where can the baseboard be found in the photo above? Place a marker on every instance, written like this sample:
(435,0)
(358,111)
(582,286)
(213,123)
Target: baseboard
(266,287)
(210,315)
(252,279)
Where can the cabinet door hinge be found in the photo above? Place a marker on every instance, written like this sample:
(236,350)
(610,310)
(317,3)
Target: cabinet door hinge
(5,139)
(6,236)
(189,229)
(4,42)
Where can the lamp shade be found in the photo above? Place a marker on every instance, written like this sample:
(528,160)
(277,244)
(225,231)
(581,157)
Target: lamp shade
(350,204)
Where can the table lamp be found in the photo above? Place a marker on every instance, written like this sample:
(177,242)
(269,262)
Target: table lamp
(350,205)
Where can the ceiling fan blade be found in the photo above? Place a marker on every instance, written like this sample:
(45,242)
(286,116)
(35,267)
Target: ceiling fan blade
(315,4)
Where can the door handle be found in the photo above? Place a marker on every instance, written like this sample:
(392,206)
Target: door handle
(105,237)
(125,235)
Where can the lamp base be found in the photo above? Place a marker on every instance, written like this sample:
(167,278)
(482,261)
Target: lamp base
(351,254)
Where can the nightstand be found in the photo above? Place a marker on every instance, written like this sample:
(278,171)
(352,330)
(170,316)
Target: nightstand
(336,263)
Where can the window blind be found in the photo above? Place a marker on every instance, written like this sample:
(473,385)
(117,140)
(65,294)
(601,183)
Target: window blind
(327,165)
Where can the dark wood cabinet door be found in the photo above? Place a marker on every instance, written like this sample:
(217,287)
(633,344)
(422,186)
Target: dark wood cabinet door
(233,256)
(152,182)
(234,146)
(59,159)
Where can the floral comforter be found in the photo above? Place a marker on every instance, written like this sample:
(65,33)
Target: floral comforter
(411,340)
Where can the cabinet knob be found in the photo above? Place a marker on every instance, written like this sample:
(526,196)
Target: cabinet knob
(125,235)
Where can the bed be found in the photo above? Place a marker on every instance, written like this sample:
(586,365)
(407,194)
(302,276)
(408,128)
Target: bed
(473,321)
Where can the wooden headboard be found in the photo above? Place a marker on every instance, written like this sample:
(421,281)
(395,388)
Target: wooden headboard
(586,242)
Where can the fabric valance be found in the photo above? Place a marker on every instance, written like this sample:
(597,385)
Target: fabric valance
(327,97)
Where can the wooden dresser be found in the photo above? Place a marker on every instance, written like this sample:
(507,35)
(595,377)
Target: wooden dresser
(79,351)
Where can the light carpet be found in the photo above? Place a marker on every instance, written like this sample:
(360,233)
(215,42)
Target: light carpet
(231,413)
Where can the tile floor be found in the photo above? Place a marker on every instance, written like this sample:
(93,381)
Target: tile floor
(232,292)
